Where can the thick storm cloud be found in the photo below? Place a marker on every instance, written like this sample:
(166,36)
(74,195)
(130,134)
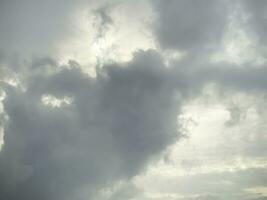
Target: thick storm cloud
(113,127)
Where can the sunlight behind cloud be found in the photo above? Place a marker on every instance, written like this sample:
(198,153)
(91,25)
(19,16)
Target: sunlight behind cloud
(110,33)
(239,45)
(133,100)
(52,101)
(207,151)
(258,190)
(3,118)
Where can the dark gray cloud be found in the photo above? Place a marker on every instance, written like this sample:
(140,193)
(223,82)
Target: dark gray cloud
(115,125)
(189,24)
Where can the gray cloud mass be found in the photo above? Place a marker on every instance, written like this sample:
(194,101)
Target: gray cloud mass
(189,24)
(115,125)
(120,122)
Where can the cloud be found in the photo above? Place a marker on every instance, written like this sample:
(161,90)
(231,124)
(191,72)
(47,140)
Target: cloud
(31,27)
(69,136)
(187,25)
(257,17)
(113,127)
(219,185)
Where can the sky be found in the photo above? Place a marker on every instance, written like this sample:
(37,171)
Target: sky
(133,100)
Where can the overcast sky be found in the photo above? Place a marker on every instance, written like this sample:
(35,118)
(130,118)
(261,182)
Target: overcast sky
(133,100)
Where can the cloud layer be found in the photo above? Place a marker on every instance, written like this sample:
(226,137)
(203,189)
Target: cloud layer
(113,127)
(69,135)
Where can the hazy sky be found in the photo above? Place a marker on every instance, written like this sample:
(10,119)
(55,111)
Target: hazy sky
(133,100)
